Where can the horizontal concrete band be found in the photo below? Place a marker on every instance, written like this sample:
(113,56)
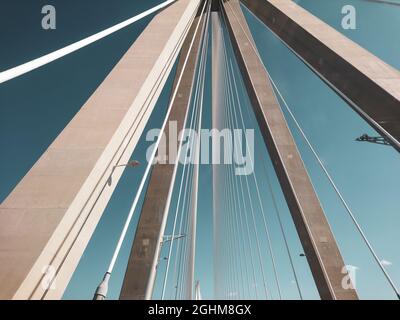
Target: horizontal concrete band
(371,86)
(50,216)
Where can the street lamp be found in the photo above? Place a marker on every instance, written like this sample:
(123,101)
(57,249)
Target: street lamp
(132,164)
(101,291)
(377,140)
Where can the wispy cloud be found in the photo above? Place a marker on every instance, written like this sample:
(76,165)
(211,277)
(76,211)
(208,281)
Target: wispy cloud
(386,263)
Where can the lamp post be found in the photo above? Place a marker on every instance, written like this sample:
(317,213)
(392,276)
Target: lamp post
(101,291)
(132,164)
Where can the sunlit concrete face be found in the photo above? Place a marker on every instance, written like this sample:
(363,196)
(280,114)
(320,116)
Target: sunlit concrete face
(46,220)
(312,226)
(370,85)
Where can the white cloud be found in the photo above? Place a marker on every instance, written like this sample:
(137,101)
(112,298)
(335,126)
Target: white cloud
(386,263)
(350,268)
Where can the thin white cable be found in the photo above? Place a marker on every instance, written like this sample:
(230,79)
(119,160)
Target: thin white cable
(184,256)
(230,102)
(185,208)
(149,165)
(179,252)
(353,218)
(193,226)
(230,198)
(183,178)
(175,216)
(230,250)
(183,285)
(231,98)
(248,190)
(277,211)
(250,203)
(231,126)
(253,217)
(228,212)
(225,269)
(189,177)
(241,221)
(363,114)
(339,194)
(235,231)
(257,53)
(50,57)
(170,192)
(236,205)
(269,241)
(255,179)
(241,228)
(240,231)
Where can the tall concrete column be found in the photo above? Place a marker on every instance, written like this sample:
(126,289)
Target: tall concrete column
(368,84)
(318,242)
(48,219)
(140,273)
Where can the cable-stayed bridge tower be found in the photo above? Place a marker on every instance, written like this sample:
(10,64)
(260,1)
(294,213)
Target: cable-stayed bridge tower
(49,218)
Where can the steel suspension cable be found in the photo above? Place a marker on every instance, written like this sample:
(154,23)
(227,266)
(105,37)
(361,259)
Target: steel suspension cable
(57,54)
(233,199)
(234,178)
(175,216)
(199,90)
(251,205)
(194,208)
(260,202)
(145,175)
(269,241)
(273,201)
(227,208)
(248,228)
(254,224)
(277,211)
(339,194)
(344,202)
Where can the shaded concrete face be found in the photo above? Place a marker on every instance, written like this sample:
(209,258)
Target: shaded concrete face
(314,231)
(146,242)
(365,80)
(47,217)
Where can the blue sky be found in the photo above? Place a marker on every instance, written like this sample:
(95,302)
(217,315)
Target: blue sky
(34,109)
(366,174)
(376,24)
(53,94)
